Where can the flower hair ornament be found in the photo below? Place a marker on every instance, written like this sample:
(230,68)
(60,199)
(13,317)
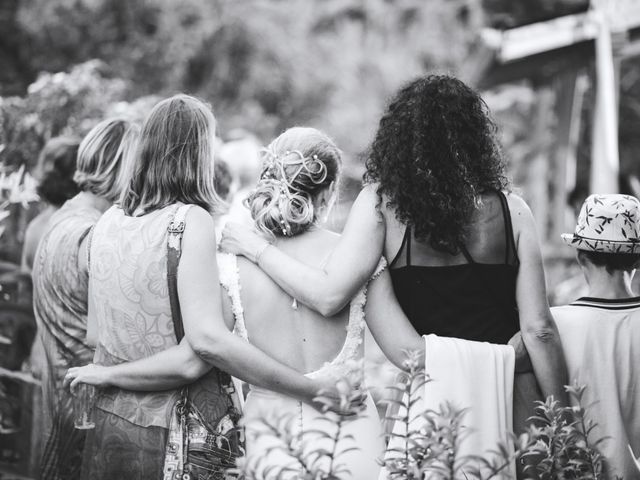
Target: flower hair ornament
(274,171)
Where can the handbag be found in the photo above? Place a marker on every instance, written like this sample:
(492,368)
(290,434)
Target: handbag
(194,449)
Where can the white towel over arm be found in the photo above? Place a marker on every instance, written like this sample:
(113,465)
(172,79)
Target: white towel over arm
(478,377)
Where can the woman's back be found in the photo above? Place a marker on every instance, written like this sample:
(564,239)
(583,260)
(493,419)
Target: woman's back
(129,300)
(468,295)
(290,332)
(322,347)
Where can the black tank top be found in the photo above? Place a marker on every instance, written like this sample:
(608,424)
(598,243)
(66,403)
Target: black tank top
(472,301)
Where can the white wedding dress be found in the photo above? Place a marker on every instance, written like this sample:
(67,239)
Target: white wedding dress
(299,425)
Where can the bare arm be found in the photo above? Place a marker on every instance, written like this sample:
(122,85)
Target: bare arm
(539,331)
(83,269)
(171,368)
(326,290)
(388,324)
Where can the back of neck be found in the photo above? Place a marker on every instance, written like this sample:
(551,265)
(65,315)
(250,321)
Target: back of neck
(94,201)
(610,286)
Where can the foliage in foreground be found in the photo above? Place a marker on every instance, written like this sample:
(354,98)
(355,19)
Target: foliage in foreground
(427,445)
(558,443)
(562,447)
(313,454)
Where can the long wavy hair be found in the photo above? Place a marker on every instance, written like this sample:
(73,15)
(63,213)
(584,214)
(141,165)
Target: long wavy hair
(434,153)
(174,160)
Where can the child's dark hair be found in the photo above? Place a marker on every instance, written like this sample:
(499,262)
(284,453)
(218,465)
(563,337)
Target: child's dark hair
(612,261)
(58,165)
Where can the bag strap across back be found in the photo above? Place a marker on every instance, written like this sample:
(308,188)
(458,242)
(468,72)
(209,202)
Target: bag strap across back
(174,250)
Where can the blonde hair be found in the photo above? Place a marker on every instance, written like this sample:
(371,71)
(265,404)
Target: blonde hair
(174,160)
(297,166)
(102,157)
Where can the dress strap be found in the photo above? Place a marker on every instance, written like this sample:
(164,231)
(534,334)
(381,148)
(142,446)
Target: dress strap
(350,351)
(230,280)
(511,251)
(406,241)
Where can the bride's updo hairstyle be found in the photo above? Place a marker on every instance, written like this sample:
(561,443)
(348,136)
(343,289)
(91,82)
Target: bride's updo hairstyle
(297,166)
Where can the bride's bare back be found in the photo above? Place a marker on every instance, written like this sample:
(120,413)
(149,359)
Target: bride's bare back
(290,333)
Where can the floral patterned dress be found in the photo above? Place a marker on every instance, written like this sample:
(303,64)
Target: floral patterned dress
(60,307)
(129,299)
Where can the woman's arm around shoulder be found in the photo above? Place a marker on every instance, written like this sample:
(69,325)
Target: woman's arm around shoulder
(199,292)
(171,368)
(326,290)
(539,331)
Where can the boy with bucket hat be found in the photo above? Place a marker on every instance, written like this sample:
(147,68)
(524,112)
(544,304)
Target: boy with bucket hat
(600,333)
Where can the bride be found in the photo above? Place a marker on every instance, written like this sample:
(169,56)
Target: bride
(297,187)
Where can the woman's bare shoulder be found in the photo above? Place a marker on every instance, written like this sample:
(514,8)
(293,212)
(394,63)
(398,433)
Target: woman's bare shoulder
(524,225)
(517,204)
(198,215)
(521,214)
(199,231)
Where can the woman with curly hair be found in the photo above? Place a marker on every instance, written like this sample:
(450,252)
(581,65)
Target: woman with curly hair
(466,259)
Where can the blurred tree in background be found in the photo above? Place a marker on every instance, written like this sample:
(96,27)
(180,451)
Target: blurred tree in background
(268,64)
(264,65)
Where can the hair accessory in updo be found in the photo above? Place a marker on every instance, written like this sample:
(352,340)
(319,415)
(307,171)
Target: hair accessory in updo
(275,171)
(297,166)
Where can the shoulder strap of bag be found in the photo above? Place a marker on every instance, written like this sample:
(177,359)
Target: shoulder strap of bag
(174,250)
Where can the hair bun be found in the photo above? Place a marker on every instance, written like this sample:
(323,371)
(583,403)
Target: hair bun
(277,211)
(299,165)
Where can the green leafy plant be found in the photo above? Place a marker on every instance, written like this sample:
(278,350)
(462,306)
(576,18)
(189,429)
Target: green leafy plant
(557,444)
(312,454)
(562,447)
(427,445)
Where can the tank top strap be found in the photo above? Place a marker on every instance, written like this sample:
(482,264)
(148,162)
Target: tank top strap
(406,242)
(466,253)
(511,252)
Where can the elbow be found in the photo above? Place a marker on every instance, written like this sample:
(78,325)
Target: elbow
(330,305)
(209,348)
(545,333)
(193,369)
(328,310)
